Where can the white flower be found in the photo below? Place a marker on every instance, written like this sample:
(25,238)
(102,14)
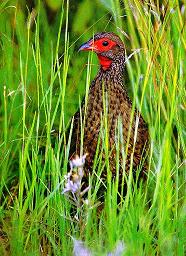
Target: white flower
(74,177)
(183,9)
(78,161)
(119,250)
(70,186)
(80,249)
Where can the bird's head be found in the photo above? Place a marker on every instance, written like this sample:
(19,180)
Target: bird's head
(108,47)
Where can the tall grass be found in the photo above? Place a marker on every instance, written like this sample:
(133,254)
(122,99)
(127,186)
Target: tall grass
(37,91)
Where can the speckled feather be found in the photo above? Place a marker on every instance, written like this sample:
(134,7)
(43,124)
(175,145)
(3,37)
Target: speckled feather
(119,105)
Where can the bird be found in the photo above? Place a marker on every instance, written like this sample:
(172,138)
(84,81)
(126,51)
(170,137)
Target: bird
(109,83)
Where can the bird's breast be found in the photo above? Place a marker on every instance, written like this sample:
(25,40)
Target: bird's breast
(106,101)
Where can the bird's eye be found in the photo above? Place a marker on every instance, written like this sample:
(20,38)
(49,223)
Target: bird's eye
(105,43)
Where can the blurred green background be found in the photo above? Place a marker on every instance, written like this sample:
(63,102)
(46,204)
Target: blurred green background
(43,77)
(26,37)
(85,18)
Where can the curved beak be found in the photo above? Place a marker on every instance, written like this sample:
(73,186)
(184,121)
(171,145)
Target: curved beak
(88,46)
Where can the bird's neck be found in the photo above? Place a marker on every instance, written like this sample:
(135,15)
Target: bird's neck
(114,73)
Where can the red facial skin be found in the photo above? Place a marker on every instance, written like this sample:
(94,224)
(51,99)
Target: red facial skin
(98,47)
(104,62)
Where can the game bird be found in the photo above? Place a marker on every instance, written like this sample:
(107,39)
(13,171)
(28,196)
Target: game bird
(108,96)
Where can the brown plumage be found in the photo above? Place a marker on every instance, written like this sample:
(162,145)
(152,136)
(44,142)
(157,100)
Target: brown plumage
(111,53)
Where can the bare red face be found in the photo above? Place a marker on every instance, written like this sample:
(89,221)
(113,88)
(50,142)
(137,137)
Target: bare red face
(99,46)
